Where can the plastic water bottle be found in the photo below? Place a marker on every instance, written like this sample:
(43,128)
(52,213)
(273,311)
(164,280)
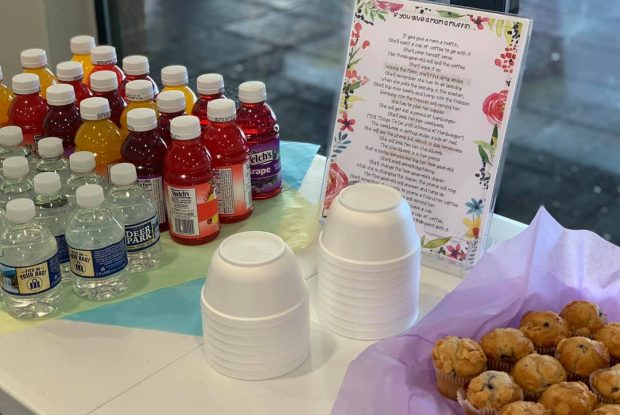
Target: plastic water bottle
(134,208)
(16,182)
(12,143)
(52,158)
(97,249)
(29,264)
(82,165)
(52,212)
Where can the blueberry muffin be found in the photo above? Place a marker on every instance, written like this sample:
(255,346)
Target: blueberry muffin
(605,383)
(488,392)
(536,372)
(545,329)
(456,361)
(609,335)
(581,356)
(568,398)
(607,410)
(504,347)
(524,408)
(584,318)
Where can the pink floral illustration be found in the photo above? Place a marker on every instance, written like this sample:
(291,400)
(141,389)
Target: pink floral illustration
(507,59)
(336,181)
(494,106)
(388,5)
(478,21)
(347,124)
(455,252)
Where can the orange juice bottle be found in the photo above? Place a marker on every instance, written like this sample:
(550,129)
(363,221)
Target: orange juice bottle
(81,46)
(6,97)
(35,61)
(139,94)
(174,77)
(98,134)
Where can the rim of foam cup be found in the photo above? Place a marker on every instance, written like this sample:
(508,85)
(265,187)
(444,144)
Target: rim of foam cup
(357,333)
(252,248)
(252,346)
(273,357)
(369,198)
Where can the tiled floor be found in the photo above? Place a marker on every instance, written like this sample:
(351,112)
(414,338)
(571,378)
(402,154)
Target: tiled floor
(565,135)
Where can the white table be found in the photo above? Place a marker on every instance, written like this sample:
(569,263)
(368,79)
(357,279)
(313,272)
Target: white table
(65,367)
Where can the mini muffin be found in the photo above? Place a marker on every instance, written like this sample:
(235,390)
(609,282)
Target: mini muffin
(456,361)
(584,318)
(488,392)
(536,372)
(504,347)
(605,383)
(545,329)
(568,398)
(609,335)
(581,356)
(524,408)
(607,410)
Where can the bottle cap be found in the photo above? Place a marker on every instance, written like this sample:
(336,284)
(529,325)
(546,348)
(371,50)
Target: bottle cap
(174,75)
(123,174)
(20,210)
(103,55)
(82,162)
(210,83)
(185,127)
(11,135)
(141,119)
(15,167)
(95,108)
(89,196)
(170,101)
(139,90)
(252,92)
(136,65)
(221,110)
(82,44)
(69,71)
(47,183)
(50,147)
(60,94)
(33,58)
(103,81)
(25,83)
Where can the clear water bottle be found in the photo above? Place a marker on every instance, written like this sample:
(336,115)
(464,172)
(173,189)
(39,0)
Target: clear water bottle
(29,264)
(16,182)
(135,209)
(97,249)
(52,158)
(52,212)
(82,164)
(12,144)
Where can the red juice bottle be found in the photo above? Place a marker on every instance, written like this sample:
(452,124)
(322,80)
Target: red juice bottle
(210,86)
(104,84)
(63,118)
(28,109)
(170,104)
(261,129)
(146,150)
(191,202)
(72,73)
(231,161)
(136,67)
(103,58)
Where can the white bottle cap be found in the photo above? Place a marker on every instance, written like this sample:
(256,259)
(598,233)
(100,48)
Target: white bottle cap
(33,58)
(174,75)
(25,83)
(136,65)
(123,174)
(252,92)
(170,101)
(11,135)
(82,44)
(103,55)
(15,167)
(50,147)
(103,81)
(69,71)
(82,162)
(139,90)
(185,127)
(47,183)
(89,196)
(60,94)
(20,210)
(221,110)
(210,83)
(141,119)
(95,108)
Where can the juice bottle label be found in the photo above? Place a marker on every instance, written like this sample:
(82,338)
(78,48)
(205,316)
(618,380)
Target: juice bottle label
(99,263)
(143,235)
(33,279)
(63,249)
(192,210)
(266,166)
(154,186)
(234,189)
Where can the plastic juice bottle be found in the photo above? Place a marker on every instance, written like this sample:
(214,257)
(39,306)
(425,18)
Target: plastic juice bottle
(260,126)
(63,118)
(104,59)
(35,61)
(28,108)
(146,150)
(139,95)
(174,77)
(98,134)
(137,67)
(81,47)
(210,87)
(6,97)
(191,202)
(72,73)
(171,104)
(231,161)
(104,84)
